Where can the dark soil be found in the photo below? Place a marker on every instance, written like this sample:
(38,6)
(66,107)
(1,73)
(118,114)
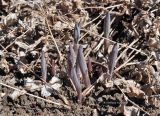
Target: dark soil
(27,25)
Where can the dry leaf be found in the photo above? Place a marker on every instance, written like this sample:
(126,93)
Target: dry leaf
(30,85)
(55,83)
(130,110)
(16,94)
(154,101)
(22,45)
(95,112)
(135,92)
(109,84)
(10,19)
(1,96)
(4,65)
(45,92)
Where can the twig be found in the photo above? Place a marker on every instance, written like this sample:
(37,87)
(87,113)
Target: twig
(43,12)
(105,8)
(102,40)
(92,33)
(60,55)
(93,20)
(16,39)
(99,45)
(132,101)
(92,27)
(48,101)
(126,49)
(117,69)
(132,63)
(38,76)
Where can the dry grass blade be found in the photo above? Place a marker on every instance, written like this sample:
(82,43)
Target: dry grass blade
(83,67)
(126,49)
(46,20)
(92,33)
(48,101)
(17,38)
(69,65)
(112,59)
(43,66)
(132,101)
(28,68)
(60,55)
(105,8)
(124,64)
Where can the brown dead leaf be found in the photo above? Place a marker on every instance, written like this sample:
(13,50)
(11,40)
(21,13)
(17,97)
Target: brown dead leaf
(130,110)
(4,65)
(77,3)
(109,84)
(154,101)
(135,92)
(16,94)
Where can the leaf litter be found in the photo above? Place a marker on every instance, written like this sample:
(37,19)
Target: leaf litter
(95,57)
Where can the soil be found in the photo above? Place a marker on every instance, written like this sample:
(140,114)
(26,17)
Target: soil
(27,25)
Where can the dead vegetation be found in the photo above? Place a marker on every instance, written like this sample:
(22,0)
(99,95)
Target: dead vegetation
(76,57)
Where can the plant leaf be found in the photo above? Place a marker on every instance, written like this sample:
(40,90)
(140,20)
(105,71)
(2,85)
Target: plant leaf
(112,59)
(43,66)
(83,66)
(72,55)
(106,30)
(107,25)
(76,33)
(76,83)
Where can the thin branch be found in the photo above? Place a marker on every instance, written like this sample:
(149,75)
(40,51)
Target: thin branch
(126,49)
(93,20)
(132,101)
(124,64)
(46,100)
(36,75)
(43,12)
(105,8)
(16,39)
(60,55)
(123,45)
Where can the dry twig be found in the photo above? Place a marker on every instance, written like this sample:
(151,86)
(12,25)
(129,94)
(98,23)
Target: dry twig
(46,100)
(92,33)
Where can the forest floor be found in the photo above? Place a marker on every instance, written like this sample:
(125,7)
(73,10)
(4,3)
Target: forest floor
(120,40)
